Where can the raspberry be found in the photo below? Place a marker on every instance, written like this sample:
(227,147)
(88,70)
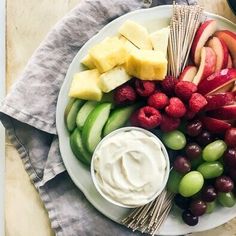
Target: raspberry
(169,123)
(124,94)
(145,88)
(168,85)
(185,89)
(158,100)
(176,108)
(134,119)
(148,117)
(197,102)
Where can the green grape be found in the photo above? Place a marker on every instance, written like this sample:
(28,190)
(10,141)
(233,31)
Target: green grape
(196,162)
(226,199)
(191,183)
(210,207)
(211,170)
(214,151)
(173,181)
(174,140)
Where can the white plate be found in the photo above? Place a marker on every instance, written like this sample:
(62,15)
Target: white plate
(153,19)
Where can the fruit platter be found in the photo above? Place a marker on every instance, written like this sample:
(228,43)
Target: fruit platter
(146,120)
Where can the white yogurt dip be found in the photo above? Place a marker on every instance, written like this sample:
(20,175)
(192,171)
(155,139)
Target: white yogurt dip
(130,167)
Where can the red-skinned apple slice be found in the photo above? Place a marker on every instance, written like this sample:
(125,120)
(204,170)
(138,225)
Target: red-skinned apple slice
(224,113)
(204,32)
(224,89)
(229,38)
(230,62)
(218,100)
(221,51)
(214,125)
(216,81)
(188,73)
(207,65)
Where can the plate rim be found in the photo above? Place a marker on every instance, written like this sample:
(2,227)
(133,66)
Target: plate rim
(68,169)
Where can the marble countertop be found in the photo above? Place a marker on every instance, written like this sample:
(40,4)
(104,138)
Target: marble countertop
(28,21)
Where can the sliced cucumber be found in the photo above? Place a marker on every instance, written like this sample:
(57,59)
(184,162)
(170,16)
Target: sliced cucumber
(78,148)
(92,130)
(84,112)
(118,118)
(70,119)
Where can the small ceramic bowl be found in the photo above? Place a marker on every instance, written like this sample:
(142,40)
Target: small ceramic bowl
(167,170)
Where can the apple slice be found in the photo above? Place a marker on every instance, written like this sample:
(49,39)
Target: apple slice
(218,100)
(216,81)
(214,125)
(207,65)
(230,62)
(224,113)
(221,50)
(229,38)
(224,89)
(204,32)
(188,73)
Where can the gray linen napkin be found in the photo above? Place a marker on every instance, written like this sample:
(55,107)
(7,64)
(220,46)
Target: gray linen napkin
(28,114)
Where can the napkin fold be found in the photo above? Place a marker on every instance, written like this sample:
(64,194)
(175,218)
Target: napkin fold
(28,114)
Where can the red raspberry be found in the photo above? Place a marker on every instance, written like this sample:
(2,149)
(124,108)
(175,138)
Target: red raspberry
(158,100)
(197,102)
(176,108)
(168,85)
(185,89)
(145,88)
(134,119)
(149,117)
(124,94)
(169,123)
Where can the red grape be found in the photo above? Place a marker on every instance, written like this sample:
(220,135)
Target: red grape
(182,202)
(198,207)
(208,194)
(182,165)
(230,137)
(232,174)
(189,219)
(224,184)
(230,157)
(193,151)
(204,138)
(194,128)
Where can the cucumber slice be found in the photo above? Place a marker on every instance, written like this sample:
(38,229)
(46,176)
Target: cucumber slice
(84,112)
(118,118)
(92,130)
(78,148)
(70,119)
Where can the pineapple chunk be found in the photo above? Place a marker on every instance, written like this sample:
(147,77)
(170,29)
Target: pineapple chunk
(87,61)
(113,78)
(108,54)
(159,40)
(136,34)
(127,44)
(147,64)
(85,85)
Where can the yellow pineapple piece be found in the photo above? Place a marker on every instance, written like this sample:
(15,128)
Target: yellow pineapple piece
(136,34)
(108,54)
(159,40)
(113,78)
(85,85)
(87,61)
(147,64)
(127,44)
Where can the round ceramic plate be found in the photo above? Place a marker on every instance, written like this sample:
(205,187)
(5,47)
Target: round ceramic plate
(153,19)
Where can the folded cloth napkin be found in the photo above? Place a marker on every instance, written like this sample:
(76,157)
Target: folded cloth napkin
(28,114)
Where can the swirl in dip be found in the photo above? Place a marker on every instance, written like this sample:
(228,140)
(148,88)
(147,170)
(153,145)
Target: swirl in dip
(130,167)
